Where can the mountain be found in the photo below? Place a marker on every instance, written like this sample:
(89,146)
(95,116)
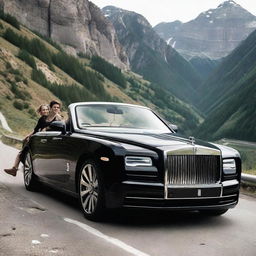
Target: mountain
(230,101)
(77,24)
(34,70)
(204,66)
(150,56)
(214,33)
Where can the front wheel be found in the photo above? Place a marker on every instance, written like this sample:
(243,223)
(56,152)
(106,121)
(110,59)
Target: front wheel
(30,181)
(91,191)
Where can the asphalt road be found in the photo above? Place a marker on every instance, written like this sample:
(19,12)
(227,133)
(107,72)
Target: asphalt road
(50,223)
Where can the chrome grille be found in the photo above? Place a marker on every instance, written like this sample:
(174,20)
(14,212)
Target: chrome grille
(193,169)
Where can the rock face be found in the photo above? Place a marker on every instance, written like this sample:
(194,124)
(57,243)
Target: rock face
(77,24)
(133,29)
(214,33)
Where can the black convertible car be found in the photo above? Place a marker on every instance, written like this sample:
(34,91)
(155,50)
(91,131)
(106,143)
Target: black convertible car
(113,155)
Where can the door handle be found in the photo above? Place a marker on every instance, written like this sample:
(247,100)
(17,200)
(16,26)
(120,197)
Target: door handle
(43,140)
(56,138)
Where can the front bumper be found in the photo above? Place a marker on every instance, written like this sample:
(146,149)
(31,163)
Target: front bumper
(151,195)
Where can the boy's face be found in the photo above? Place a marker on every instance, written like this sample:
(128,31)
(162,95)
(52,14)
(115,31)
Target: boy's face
(56,108)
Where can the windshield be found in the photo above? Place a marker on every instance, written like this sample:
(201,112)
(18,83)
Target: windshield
(121,116)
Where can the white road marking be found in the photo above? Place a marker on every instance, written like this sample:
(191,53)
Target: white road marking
(54,251)
(36,242)
(4,123)
(109,239)
(44,235)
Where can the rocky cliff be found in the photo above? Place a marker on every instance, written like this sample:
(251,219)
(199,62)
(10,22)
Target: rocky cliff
(214,33)
(77,24)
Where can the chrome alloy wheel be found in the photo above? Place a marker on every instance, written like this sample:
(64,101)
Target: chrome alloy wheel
(28,170)
(89,189)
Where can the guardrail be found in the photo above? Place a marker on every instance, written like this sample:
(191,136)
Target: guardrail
(249,178)
(10,140)
(14,140)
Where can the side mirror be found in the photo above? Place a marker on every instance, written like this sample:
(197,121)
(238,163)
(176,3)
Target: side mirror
(173,127)
(58,126)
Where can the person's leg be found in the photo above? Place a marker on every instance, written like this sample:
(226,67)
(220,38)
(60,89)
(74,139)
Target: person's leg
(14,169)
(17,161)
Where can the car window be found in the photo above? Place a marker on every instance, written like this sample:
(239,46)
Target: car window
(121,116)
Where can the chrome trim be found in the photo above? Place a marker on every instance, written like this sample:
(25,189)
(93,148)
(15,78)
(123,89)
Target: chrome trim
(190,208)
(166,175)
(190,150)
(192,140)
(179,198)
(194,150)
(57,138)
(48,133)
(193,169)
(140,161)
(229,183)
(142,183)
(140,175)
(214,185)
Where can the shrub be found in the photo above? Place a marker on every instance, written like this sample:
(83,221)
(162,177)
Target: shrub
(18,105)
(26,57)
(10,19)
(32,113)
(18,78)
(14,71)
(34,46)
(19,94)
(67,93)
(76,70)
(82,55)
(26,105)
(49,40)
(8,65)
(108,70)
(8,97)
(25,81)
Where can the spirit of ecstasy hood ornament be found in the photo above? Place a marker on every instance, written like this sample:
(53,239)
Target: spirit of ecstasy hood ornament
(192,140)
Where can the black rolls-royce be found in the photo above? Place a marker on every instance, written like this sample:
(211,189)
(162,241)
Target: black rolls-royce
(113,155)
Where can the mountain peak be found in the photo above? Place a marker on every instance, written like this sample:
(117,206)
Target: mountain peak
(228,3)
(214,32)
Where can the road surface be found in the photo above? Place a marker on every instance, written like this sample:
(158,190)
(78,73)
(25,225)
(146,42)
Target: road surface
(50,223)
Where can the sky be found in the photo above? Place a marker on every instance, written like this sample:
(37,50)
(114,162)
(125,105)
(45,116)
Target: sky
(156,11)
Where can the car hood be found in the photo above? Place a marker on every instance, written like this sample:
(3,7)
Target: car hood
(164,141)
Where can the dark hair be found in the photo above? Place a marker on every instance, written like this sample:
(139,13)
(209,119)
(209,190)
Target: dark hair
(53,102)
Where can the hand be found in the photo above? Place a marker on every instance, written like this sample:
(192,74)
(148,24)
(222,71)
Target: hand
(27,138)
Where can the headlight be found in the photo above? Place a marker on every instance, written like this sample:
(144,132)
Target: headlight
(229,166)
(138,161)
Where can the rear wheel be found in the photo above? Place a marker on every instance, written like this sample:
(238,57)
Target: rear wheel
(91,191)
(30,181)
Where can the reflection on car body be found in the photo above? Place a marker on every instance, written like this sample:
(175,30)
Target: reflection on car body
(113,155)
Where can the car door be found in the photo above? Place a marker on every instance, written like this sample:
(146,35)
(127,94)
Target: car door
(48,153)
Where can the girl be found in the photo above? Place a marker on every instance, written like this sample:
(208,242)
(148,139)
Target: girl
(42,123)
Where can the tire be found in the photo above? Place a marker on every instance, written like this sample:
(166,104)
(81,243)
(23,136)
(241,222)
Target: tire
(217,212)
(91,191)
(30,182)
